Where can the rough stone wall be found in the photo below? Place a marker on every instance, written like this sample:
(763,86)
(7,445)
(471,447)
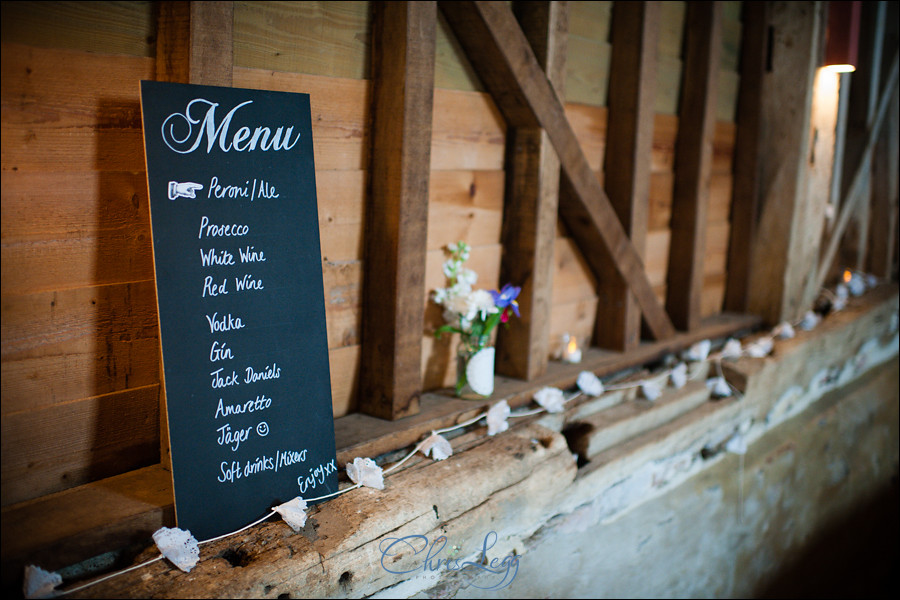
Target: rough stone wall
(730,530)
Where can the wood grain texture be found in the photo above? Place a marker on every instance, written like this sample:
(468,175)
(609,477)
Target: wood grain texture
(340,110)
(341,197)
(865,91)
(883,216)
(467,132)
(127,28)
(393,317)
(332,39)
(489,31)
(195,43)
(452,69)
(530,207)
(57,447)
(65,110)
(464,205)
(748,154)
(684,282)
(71,229)
(59,347)
(68,527)
(858,180)
(627,162)
(777,277)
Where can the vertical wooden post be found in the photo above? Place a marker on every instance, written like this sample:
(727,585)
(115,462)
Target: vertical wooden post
(693,162)
(859,175)
(824,119)
(530,205)
(629,143)
(194,44)
(883,215)
(747,154)
(864,94)
(394,279)
(780,262)
(500,54)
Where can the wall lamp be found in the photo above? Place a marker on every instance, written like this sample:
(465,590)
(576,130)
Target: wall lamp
(842,36)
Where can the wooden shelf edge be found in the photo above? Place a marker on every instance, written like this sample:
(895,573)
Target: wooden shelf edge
(109,515)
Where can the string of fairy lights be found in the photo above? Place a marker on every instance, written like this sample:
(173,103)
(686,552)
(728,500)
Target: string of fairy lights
(182,549)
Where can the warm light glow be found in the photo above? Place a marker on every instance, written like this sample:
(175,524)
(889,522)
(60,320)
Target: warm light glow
(840,68)
(573,345)
(847,276)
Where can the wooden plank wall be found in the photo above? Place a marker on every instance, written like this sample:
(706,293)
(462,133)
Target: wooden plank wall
(80,367)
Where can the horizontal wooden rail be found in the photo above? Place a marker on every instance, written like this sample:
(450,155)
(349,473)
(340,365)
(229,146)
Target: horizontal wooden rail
(112,514)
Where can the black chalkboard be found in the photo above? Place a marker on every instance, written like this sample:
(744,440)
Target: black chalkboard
(241,303)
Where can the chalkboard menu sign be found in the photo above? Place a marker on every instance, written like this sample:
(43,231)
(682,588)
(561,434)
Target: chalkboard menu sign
(241,304)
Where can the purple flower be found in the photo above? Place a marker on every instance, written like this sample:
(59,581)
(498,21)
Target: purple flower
(506,299)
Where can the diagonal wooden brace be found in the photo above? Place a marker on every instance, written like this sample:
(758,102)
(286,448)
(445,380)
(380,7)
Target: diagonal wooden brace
(500,53)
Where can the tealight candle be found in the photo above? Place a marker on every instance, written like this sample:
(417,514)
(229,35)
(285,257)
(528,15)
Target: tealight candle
(571,352)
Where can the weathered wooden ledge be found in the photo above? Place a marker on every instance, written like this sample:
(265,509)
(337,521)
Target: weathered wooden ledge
(528,471)
(112,515)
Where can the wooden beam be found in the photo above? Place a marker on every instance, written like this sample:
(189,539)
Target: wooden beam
(500,53)
(629,143)
(859,175)
(864,93)
(394,278)
(883,211)
(194,43)
(747,154)
(530,205)
(693,162)
(780,262)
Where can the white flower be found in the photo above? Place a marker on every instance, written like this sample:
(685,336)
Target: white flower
(179,546)
(650,390)
(461,248)
(760,348)
(698,351)
(551,399)
(40,583)
(857,285)
(293,512)
(460,289)
(450,267)
(466,277)
(481,303)
(441,295)
(365,472)
(589,383)
(841,291)
(678,376)
(496,418)
(458,304)
(810,320)
(719,387)
(737,444)
(732,349)
(784,331)
(838,304)
(438,446)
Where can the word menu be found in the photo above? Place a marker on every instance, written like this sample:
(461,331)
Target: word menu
(238,266)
